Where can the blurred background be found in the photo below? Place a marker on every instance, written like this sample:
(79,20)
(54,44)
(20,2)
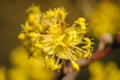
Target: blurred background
(99,14)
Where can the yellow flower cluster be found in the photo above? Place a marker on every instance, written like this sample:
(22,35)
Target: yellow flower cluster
(49,35)
(100,71)
(27,69)
(105,17)
(23,68)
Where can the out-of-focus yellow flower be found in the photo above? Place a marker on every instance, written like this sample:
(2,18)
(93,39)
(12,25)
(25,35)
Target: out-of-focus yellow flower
(33,9)
(100,71)
(105,19)
(17,74)
(2,73)
(49,33)
(26,69)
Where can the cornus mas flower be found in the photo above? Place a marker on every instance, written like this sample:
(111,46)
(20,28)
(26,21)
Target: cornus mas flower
(48,35)
(105,17)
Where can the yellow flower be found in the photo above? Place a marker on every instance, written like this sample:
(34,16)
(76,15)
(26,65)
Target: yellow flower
(100,71)
(50,33)
(21,36)
(26,69)
(2,73)
(33,18)
(52,64)
(33,9)
(87,47)
(57,13)
(61,13)
(105,19)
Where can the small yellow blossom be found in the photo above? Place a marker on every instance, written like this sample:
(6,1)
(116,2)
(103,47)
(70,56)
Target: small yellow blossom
(32,18)
(21,36)
(51,64)
(33,9)
(57,13)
